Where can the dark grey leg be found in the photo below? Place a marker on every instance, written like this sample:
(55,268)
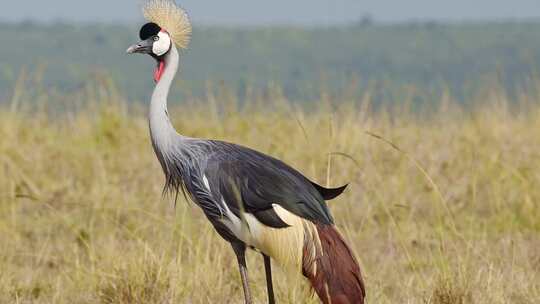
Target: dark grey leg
(269,285)
(240,251)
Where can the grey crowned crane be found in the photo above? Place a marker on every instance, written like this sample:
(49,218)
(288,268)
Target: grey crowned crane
(252,200)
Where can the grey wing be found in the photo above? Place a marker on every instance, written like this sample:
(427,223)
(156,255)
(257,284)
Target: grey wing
(248,180)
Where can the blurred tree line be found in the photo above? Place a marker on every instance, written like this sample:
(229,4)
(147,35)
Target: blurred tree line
(388,60)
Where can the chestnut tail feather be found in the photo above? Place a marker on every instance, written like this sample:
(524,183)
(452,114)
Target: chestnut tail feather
(331,268)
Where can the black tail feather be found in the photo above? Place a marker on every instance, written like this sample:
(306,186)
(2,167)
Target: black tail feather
(329,193)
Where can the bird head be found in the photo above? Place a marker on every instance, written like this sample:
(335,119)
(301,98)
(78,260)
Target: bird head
(168,24)
(155,41)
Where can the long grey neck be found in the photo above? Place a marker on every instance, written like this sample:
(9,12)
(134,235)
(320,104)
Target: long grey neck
(162,131)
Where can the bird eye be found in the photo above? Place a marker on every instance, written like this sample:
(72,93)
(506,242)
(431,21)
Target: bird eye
(156,38)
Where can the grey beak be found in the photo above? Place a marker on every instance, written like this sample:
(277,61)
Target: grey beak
(143,47)
(132,49)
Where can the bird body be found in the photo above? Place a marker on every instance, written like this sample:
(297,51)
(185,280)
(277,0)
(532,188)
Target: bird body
(253,200)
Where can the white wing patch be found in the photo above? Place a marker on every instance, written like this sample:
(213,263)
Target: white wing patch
(206,183)
(220,207)
(246,229)
(285,245)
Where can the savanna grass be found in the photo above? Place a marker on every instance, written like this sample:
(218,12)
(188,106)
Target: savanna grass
(442,207)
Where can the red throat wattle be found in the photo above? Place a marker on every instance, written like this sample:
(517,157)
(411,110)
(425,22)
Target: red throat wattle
(159,71)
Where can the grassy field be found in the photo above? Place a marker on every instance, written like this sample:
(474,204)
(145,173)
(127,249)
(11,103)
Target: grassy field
(449,213)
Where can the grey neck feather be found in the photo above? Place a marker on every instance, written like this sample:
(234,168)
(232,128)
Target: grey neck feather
(162,131)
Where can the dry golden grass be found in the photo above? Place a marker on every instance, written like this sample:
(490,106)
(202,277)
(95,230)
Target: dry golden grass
(455,219)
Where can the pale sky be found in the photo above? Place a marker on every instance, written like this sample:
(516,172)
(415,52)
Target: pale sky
(257,12)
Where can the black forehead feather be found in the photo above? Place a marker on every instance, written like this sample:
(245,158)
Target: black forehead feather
(148,30)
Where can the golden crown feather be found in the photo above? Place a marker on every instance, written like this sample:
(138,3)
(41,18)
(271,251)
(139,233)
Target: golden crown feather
(171,18)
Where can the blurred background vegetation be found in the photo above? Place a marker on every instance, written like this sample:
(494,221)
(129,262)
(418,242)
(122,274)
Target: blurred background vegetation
(417,61)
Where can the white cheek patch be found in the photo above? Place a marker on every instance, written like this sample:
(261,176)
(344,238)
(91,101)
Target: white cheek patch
(163,45)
